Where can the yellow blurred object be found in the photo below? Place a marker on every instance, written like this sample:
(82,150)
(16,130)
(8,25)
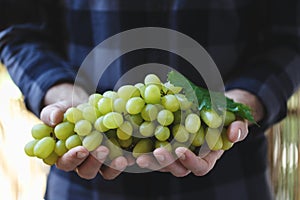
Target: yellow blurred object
(284,148)
(21,177)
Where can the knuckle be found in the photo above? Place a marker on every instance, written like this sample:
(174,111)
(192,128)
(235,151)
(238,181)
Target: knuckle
(64,167)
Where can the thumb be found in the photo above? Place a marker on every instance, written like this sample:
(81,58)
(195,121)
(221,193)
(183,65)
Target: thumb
(237,131)
(54,113)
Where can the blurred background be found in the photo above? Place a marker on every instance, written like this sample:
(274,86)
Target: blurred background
(24,178)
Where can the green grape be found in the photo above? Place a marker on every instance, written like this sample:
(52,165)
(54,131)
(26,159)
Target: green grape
(60,148)
(152,94)
(90,113)
(187,112)
(164,144)
(192,123)
(211,118)
(105,105)
(184,103)
(135,120)
(110,94)
(125,143)
(112,133)
(135,105)
(113,120)
(73,114)
(29,147)
(192,148)
(152,79)
(198,138)
(124,132)
(51,159)
(149,112)
(180,133)
(114,148)
(162,133)
(73,141)
(64,118)
(83,127)
(141,87)
(165,117)
(146,129)
(177,144)
(170,102)
(99,126)
(213,138)
(94,98)
(44,147)
(119,105)
(143,146)
(177,117)
(227,144)
(229,118)
(159,107)
(92,141)
(63,130)
(40,131)
(81,107)
(171,89)
(127,91)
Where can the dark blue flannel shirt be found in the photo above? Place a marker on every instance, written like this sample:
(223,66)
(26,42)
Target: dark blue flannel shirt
(255,45)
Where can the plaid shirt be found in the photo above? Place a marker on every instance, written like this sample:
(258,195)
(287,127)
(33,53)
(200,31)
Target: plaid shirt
(255,45)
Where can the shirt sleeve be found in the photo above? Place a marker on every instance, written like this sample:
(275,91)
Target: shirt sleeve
(35,64)
(273,74)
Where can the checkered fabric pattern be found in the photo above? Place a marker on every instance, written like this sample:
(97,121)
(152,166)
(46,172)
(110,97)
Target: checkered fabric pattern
(255,45)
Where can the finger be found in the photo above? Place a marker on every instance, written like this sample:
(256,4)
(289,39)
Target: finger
(89,168)
(74,157)
(166,160)
(148,161)
(130,160)
(53,114)
(237,131)
(114,169)
(198,166)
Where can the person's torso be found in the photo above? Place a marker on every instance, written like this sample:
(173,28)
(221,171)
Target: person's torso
(227,29)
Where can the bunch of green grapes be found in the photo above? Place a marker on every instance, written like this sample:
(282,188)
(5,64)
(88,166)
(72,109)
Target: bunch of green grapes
(135,118)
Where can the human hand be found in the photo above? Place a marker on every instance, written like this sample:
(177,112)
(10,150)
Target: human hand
(87,164)
(185,161)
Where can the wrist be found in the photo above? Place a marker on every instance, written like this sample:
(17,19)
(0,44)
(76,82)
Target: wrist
(248,99)
(65,92)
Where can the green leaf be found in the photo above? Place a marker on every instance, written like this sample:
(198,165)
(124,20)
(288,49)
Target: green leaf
(196,93)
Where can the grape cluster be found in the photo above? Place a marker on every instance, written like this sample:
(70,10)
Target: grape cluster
(136,118)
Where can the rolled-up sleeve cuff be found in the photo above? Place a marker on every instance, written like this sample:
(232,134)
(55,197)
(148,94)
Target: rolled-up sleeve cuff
(34,98)
(275,108)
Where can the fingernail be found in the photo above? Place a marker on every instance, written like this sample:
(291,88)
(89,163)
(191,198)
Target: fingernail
(182,157)
(144,165)
(81,155)
(239,134)
(120,165)
(101,155)
(160,158)
(52,118)
(180,154)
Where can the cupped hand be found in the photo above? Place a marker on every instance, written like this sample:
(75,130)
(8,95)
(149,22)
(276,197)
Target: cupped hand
(185,161)
(86,164)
